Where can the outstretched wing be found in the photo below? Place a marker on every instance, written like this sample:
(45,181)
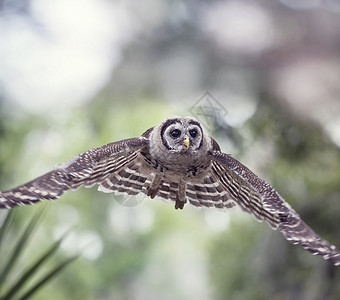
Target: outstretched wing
(91,167)
(257,197)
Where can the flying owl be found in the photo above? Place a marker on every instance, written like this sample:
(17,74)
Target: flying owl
(176,161)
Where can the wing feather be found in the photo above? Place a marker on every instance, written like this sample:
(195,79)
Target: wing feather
(257,197)
(129,179)
(205,192)
(91,167)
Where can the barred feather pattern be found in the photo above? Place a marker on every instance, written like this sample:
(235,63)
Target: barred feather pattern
(88,168)
(256,196)
(244,194)
(49,186)
(207,193)
(128,180)
(132,180)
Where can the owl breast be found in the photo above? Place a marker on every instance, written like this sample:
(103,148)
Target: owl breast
(183,165)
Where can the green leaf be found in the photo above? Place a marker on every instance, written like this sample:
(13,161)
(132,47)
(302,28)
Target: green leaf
(20,246)
(48,277)
(29,273)
(5,225)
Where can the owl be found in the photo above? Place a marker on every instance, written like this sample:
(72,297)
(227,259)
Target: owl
(177,161)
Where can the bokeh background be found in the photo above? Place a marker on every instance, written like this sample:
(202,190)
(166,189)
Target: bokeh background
(78,74)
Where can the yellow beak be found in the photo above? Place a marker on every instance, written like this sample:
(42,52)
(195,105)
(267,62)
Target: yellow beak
(186,141)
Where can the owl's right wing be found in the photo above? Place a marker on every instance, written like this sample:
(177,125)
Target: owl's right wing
(89,168)
(257,197)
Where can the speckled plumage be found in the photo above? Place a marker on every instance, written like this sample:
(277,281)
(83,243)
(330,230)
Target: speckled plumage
(176,161)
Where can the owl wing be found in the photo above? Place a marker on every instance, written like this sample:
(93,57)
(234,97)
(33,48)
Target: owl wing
(257,197)
(89,168)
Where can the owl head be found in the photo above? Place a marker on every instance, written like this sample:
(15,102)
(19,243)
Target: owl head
(181,134)
(179,137)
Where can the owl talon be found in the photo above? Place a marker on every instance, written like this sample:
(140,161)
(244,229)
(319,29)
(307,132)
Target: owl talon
(154,186)
(152,193)
(181,193)
(179,204)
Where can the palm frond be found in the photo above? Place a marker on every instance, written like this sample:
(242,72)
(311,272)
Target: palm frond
(20,246)
(48,277)
(27,275)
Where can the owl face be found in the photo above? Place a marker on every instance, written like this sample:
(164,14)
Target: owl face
(179,143)
(183,135)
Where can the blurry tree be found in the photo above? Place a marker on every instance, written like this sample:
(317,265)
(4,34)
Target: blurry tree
(273,65)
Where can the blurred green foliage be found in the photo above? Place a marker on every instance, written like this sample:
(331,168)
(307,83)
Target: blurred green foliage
(151,251)
(272,65)
(21,282)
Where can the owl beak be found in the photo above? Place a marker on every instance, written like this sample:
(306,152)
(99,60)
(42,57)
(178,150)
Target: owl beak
(186,141)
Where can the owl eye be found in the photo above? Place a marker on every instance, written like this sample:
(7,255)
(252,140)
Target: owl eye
(175,133)
(193,133)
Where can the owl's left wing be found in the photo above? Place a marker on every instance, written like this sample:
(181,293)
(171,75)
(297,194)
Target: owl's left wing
(91,167)
(257,197)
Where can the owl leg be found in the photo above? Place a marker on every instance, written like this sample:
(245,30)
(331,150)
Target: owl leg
(180,195)
(154,186)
